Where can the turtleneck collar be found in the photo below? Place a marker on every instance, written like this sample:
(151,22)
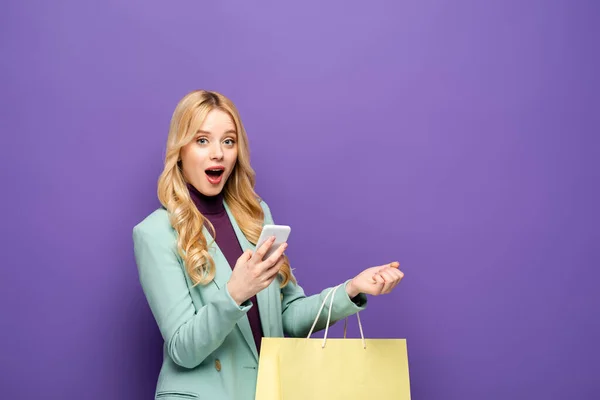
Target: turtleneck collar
(207,205)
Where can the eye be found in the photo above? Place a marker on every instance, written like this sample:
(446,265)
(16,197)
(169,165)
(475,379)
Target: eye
(229,142)
(202,140)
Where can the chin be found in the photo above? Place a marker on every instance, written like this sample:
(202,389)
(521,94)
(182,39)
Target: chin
(212,192)
(216,191)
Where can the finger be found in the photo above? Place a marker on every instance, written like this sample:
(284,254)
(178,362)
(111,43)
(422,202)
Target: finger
(262,250)
(273,258)
(398,276)
(387,266)
(244,258)
(271,273)
(274,270)
(399,273)
(379,283)
(389,281)
(247,255)
(378,279)
(278,264)
(394,264)
(270,279)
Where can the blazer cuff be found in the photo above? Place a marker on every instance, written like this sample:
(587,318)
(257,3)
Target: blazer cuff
(357,303)
(228,306)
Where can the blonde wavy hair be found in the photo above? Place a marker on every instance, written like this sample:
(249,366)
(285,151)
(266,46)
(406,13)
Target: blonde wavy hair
(239,192)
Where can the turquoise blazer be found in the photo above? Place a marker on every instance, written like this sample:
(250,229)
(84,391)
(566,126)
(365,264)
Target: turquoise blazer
(209,351)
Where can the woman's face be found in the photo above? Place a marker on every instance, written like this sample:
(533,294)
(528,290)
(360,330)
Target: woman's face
(208,160)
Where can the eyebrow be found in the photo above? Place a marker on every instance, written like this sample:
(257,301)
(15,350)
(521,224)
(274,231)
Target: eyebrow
(229,132)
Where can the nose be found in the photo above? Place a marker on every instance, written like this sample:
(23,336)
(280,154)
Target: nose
(216,152)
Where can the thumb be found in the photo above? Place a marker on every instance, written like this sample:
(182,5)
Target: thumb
(394,264)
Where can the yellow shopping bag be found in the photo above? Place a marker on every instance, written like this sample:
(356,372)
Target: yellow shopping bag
(313,369)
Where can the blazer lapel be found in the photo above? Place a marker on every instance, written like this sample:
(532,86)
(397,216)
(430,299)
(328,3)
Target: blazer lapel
(222,275)
(264,296)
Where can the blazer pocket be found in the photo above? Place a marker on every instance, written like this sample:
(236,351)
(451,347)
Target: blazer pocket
(169,394)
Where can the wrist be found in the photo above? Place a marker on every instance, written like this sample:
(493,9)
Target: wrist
(351,289)
(233,294)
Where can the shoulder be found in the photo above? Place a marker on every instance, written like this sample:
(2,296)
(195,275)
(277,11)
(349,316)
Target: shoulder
(264,205)
(155,242)
(267,211)
(157,224)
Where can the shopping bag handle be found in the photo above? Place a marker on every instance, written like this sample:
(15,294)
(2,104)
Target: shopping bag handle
(332,294)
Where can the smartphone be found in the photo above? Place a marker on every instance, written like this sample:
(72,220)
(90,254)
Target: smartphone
(281,233)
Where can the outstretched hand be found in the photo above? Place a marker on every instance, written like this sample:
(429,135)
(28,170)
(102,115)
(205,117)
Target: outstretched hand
(375,280)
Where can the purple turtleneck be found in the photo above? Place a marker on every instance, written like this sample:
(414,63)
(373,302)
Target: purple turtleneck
(213,209)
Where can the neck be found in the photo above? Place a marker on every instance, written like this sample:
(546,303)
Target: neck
(206,204)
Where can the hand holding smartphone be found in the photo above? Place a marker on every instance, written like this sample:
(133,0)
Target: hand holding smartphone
(251,274)
(281,233)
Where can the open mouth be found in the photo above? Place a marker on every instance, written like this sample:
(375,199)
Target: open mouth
(214,175)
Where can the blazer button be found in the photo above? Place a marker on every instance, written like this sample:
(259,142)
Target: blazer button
(218,365)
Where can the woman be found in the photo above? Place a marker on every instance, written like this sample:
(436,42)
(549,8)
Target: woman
(211,292)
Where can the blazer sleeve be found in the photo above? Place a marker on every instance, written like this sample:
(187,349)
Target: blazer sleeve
(299,311)
(190,334)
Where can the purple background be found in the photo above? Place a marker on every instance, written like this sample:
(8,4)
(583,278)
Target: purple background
(458,137)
